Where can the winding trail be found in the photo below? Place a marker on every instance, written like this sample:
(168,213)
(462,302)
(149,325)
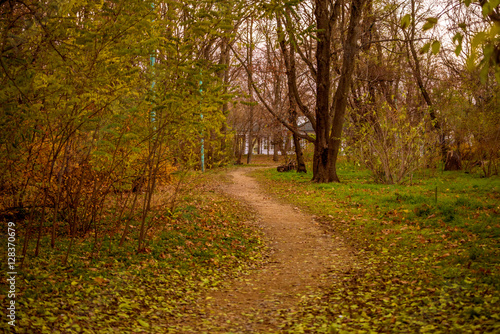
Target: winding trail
(302,257)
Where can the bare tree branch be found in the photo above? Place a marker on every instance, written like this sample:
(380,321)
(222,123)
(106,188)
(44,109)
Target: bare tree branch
(271,111)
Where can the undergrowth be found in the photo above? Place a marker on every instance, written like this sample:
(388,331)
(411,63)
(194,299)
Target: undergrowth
(112,289)
(427,254)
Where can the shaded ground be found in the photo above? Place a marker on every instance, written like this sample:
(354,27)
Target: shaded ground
(302,257)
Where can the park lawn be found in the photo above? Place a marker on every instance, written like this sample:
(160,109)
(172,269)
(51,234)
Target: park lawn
(112,289)
(427,254)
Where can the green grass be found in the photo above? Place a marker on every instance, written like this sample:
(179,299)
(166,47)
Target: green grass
(424,263)
(198,247)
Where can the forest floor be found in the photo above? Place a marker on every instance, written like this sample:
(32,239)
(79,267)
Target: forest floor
(301,256)
(251,250)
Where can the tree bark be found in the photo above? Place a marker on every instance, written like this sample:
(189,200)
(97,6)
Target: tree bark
(250,92)
(224,77)
(329,133)
(275,147)
(321,159)
(289,58)
(239,146)
(301,165)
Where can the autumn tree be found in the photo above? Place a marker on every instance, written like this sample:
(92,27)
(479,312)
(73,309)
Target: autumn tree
(86,113)
(330,110)
(328,116)
(469,98)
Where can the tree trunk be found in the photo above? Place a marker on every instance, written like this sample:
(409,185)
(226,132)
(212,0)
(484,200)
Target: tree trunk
(275,147)
(250,91)
(240,146)
(292,101)
(224,76)
(329,134)
(321,159)
(301,165)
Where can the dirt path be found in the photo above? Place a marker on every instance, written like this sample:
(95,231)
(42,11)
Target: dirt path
(302,257)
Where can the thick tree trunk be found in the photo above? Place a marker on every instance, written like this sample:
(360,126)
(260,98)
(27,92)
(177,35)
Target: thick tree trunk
(329,134)
(321,161)
(341,95)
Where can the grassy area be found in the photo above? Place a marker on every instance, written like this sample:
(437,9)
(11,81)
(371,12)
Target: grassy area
(261,160)
(428,256)
(115,290)
(427,260)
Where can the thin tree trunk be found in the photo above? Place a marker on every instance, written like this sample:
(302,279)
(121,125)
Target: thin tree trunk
(420,82)
(240,146)
(126,228)
(301,165)
(275,147)
(289,57)
(250,91)
(224,77)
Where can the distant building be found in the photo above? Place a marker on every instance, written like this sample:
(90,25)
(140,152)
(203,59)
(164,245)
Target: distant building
(307,128)
(264,144)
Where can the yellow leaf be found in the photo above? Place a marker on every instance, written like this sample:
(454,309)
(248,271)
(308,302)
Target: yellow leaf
(142,323)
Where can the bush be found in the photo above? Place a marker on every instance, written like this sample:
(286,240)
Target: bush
(392,145)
